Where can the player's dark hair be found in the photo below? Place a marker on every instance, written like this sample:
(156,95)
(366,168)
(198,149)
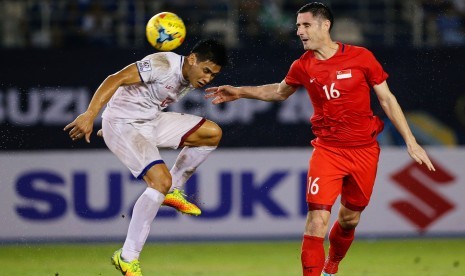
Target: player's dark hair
(318,9)
(211,50)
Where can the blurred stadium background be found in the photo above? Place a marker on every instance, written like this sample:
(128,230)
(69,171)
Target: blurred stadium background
(55,53)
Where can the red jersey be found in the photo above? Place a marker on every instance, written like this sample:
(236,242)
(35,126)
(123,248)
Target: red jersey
(339,89)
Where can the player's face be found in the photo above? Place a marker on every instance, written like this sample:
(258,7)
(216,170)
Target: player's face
(311,30)
(202,72)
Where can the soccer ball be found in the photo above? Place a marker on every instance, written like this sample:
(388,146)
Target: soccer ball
(165,31)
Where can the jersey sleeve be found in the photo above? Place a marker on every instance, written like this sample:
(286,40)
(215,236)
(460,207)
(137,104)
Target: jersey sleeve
(374,71)
(152,67)
(294,75)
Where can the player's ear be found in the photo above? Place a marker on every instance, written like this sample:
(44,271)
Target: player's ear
(191,59)
(326,25)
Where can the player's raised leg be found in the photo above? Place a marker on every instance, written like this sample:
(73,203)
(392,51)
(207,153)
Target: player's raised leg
(198,145)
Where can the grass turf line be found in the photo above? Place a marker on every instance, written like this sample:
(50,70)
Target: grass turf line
(434,257)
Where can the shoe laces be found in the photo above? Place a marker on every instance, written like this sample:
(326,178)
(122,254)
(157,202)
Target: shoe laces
(135,266)
(135,269)
(181,194)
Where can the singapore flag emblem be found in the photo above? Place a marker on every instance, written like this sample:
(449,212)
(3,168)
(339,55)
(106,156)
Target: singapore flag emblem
(344,74)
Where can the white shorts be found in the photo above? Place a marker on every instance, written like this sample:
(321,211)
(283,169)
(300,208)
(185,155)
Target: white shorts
(136,143)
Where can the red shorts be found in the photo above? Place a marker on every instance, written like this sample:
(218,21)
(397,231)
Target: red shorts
(349,172)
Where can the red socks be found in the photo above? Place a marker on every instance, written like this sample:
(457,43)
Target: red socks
(339,242)
(313,252)
(312,256)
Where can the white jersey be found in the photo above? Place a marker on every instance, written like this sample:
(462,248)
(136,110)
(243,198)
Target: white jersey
(162,84)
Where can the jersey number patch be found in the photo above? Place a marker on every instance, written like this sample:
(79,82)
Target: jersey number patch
(312,186)
(332,93)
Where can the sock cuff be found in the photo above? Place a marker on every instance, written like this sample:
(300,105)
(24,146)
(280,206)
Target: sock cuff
(153,194)
(314,238)
(205,148)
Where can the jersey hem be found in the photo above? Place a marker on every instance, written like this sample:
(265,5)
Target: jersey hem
(319,141)
(315,206)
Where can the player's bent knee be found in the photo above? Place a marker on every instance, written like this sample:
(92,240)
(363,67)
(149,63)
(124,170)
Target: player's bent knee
(214,131)
(209,134)
(349,220)
(350,223)
(161,183)
(217,135)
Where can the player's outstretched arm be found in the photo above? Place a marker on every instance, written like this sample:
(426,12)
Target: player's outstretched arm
(394,112)
(269,92)
(82,126)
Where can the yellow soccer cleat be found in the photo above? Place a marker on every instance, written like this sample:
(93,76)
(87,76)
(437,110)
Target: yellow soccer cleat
(126,268)
(176,200)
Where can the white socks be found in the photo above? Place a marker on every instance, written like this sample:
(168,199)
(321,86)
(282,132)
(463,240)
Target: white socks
(149,202)
(143,214)
(187,162)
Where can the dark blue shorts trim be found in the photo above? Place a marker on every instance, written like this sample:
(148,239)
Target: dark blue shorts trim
(144,171)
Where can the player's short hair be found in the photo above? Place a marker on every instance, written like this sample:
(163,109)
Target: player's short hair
(211,50)
(318,9)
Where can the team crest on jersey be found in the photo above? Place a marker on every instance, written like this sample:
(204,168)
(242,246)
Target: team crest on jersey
(144,66)
(344,74)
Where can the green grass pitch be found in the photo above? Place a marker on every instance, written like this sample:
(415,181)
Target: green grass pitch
(426,257)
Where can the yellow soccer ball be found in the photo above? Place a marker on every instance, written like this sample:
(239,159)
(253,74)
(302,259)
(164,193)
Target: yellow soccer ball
(165,31)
